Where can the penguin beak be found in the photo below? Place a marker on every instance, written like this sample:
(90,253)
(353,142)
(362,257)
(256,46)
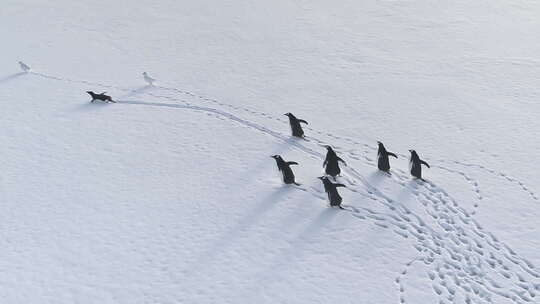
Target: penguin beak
(320,177)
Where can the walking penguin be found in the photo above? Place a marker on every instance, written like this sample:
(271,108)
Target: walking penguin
(101,97)
(285,169)
(331,162)
(382,158)
(416,165)
(331,190)
(295,125)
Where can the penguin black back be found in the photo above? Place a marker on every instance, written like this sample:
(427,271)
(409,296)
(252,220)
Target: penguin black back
(416,164)
(382,158)
(285,169)
(331,190)
(101,96)
(296,128)
(331,162)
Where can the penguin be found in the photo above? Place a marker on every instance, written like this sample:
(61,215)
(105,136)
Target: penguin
(148,79)
(331,162)
(24,67)
(101,97)
(416,165)
(285,169)
(382,158)
(331,190)
(295,125)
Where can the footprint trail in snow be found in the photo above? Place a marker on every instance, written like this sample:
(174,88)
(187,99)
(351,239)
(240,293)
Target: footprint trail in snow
(465,262)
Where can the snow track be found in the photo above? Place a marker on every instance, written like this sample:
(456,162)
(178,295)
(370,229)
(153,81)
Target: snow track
(466,263)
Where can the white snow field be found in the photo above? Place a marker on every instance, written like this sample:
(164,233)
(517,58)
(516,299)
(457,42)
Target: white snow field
(170,194)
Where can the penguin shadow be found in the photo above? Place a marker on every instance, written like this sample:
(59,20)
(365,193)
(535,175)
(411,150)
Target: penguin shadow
(377,177)
(136,91)
(317,224)
(297,140)
(90,106)
(229,237)
(296,250)
(12,77)
(407,192)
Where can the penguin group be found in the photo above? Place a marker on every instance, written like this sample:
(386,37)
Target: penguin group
(332,161)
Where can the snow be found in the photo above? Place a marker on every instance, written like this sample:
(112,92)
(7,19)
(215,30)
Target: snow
(170,195)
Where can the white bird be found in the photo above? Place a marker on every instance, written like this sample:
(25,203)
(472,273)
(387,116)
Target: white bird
(148,79)
(24,67)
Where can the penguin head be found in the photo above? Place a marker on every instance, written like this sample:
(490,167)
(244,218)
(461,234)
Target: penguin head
(144,73)
(290,115)
(329,148)
(380,144)
(275,157)
(90,92)
(413,153)
(322,177)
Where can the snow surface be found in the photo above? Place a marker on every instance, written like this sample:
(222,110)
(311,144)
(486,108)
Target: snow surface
(170,196)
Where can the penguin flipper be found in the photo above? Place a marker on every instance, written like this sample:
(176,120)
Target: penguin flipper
(340,185)
(292,163)
(303,121)
(392,154)
(423,162)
